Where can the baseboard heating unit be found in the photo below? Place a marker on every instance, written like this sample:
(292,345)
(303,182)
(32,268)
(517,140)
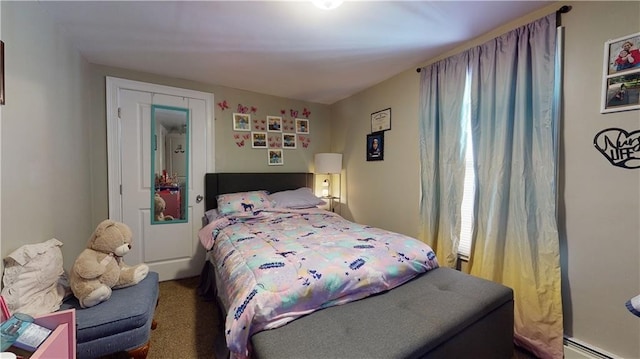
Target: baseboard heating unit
(576,349)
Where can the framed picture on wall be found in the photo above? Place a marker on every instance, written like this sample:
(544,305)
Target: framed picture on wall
(302,125)
(289,140)
(1,73)
(375,146)
(275,157)
(258,139)
(241,122)
(274,124)
(621,74)
(381,120)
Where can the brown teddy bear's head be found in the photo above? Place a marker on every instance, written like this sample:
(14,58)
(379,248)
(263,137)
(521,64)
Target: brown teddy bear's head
(111,237)
(160,205)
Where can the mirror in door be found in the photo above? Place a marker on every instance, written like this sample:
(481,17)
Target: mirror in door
(170,164)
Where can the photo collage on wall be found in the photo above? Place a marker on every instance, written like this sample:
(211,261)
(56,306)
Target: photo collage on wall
(274,133)
(621,74)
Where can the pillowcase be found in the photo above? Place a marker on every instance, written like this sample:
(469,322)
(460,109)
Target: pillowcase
(210,215)
(296,199)
(241,202)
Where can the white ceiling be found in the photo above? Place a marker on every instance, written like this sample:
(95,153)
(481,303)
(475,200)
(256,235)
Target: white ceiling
(284,48)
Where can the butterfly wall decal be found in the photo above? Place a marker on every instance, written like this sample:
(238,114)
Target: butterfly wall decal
(242,109)
(223,105)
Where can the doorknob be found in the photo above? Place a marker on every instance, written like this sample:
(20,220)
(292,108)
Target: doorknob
(199,198)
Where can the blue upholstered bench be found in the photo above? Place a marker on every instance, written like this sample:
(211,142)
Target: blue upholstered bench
(123,323)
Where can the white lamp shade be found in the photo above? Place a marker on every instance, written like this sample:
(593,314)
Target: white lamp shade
(328,162)
(327,4)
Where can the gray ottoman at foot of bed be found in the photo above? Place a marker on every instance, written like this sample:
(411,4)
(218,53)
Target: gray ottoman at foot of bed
(441,314)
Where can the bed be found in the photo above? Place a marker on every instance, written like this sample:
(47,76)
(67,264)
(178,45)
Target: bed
(396,301)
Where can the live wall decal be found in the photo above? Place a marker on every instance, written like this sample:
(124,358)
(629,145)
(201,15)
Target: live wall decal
(620,147)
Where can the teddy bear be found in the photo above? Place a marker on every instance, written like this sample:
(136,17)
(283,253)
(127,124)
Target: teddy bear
(160,205)
(99,268)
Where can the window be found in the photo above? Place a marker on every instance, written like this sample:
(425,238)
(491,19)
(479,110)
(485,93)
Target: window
(468,195)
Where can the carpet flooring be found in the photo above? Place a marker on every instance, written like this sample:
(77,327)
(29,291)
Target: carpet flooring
(186,323)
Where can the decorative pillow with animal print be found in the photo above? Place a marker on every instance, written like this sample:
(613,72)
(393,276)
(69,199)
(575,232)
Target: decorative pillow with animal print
(243,202)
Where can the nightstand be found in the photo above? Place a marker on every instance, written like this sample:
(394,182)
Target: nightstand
(331,201)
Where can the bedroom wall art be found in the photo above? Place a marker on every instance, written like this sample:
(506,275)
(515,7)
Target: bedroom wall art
(619,147)
(289,141)
(241,139)
(258,139)
(273,133)
(259,125)
(275,157)
(304,141)
(274,124)
(302,125)
(223,105)
(375,146)
(381,120)
(1,72)
(241,122)
(275,140)
(621,74)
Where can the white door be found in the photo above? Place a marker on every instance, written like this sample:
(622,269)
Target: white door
(171,249)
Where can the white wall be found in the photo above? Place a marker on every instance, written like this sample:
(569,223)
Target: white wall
(600,203)
(601,210)
(45,145)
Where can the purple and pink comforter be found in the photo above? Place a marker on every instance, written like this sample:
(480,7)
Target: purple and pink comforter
(277,265)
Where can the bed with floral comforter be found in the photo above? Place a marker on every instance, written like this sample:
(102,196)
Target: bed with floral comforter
(280,264)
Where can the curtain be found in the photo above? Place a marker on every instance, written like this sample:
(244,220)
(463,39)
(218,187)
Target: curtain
(513,128)
(514,125)
(442,149)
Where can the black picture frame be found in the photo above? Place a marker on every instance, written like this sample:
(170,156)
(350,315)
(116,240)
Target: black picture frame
(381,120)
(375,146)
(1,72)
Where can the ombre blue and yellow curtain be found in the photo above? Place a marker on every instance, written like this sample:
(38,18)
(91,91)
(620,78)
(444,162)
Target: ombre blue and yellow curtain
(512,82)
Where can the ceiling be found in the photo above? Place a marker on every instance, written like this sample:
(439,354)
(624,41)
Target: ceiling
(283,48)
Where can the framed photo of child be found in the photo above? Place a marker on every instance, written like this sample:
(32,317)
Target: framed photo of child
(275,157)
(241,122)
(258,140)
(289,140)
(274,124)
(302,125)
(621,74)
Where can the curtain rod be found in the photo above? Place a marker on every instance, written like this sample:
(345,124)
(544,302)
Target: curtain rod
(562,10)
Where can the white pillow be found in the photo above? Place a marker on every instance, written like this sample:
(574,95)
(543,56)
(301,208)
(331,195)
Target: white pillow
(296,199)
